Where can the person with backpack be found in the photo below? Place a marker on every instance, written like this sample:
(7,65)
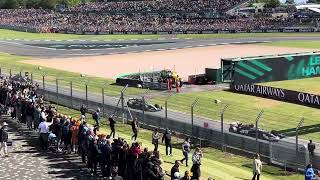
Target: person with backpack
(186,150)
(167,139)
(112,123)
(135,128)
(96,117)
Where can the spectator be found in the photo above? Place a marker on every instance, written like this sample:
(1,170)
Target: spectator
(155,139)
(187,175)
(186,150)
(257,167)
(196,159)
(112,123)
(43,131)
(167,139)
(135,129)
(96,117)
(309,174)
(175,171)
(4,139)
(83,110)
(311,148)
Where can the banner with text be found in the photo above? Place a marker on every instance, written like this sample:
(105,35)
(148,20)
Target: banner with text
(295,97)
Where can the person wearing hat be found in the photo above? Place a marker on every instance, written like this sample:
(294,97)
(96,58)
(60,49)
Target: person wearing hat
(4,139)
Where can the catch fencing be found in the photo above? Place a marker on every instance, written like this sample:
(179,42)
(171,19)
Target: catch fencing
(203,120)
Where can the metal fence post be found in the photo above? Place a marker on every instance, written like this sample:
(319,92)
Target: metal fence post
(102,94)
(10,73)
(166,106)
(297,136)
(257,127)
(0,70)
(143,109)
(71,94)
(31,77)
(87,95)
(20,74)
(122,101)
(57,90)
(222,127)
(194,103)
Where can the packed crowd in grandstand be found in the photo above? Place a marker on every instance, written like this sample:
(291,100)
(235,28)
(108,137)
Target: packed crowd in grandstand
(140,16)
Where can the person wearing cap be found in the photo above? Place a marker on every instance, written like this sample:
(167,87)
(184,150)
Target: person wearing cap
(4,139)
(175,170)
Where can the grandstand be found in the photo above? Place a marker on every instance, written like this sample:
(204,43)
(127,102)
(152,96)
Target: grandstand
(191,16)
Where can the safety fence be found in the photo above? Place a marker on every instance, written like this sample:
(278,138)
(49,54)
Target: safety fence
(202,119)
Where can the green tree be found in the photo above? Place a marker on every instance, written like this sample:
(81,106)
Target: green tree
(11,4)
(290,2)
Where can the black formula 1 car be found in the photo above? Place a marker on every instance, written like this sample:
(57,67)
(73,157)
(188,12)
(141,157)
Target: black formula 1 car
(135,103)
(250,130)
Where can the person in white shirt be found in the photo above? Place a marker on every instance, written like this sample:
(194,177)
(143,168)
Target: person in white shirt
(196,159)
(44,132)
(257,167)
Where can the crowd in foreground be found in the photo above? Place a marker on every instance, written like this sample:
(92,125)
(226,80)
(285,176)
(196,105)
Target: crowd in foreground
(114,157)
(52,21)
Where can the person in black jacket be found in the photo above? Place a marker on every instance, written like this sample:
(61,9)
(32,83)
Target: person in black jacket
(167,139)
(94,155)
(112,122)
(4,139)
(175,170)
(83,110)
(135,128)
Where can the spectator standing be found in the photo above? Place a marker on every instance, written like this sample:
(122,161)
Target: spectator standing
(29,114)
(4,139)
(112,123)
(115,175)
(311,148)
(36,116)
(175,174)
(96,117)
(196,159)
(83,110)
(155,139)
(257,167)
(74,137)
(167,140)
(187,175)
(309,174)
(186,150)
(135,129)
(43,131)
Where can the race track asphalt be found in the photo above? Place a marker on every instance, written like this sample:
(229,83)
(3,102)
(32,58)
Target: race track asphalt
(52,49)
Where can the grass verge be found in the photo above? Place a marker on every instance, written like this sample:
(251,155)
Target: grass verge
(309,85)
(277,115)
(215,163)
(296,44)
(95,84)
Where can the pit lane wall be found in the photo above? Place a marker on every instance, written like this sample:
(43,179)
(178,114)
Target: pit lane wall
(280,152)
(301,98)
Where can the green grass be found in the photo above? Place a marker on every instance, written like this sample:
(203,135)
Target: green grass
(215,164)
(296,44)
(10,34)
(309,85)
(247,35)
(95,84)
(277,115)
